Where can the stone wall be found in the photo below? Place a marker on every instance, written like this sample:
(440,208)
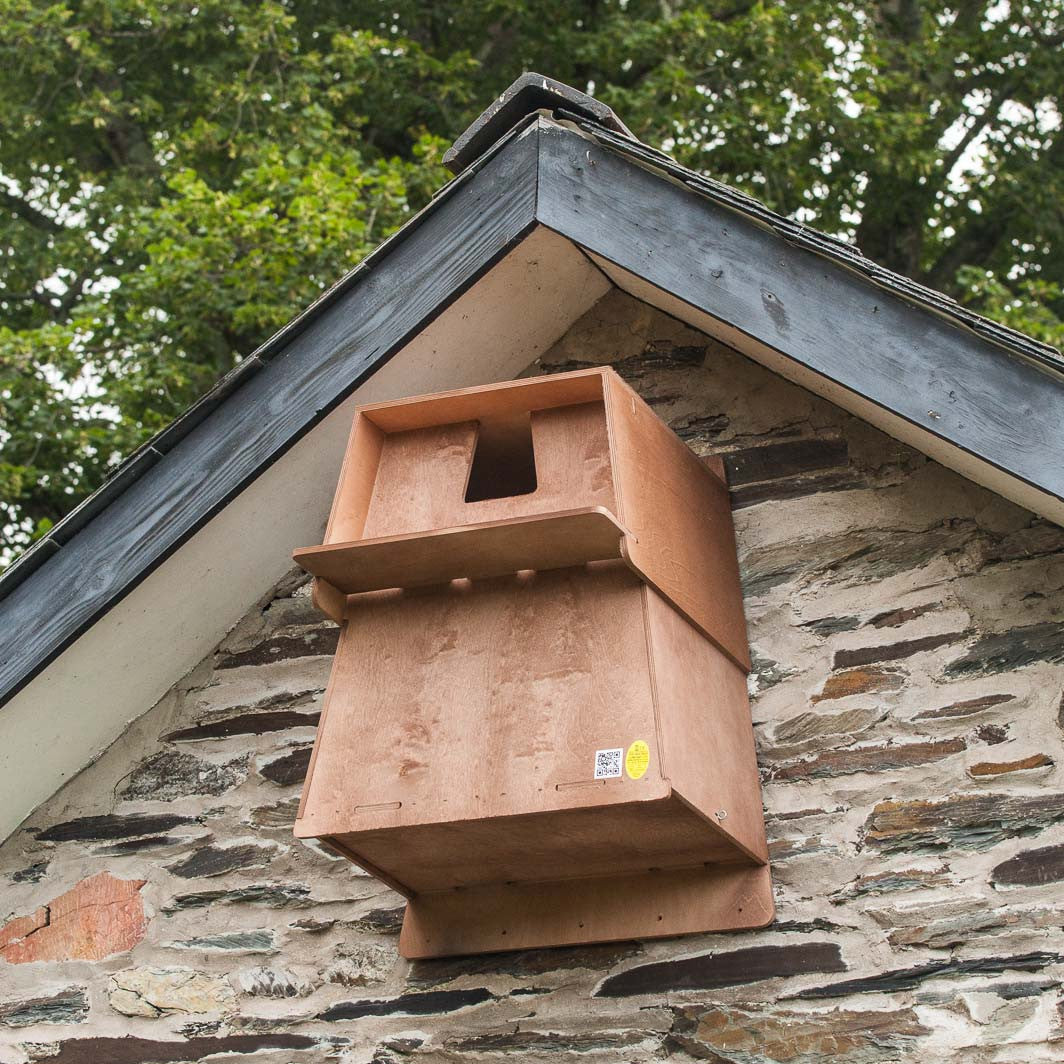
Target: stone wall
(909,647)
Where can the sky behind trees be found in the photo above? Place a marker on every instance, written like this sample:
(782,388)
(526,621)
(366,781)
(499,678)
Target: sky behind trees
(179,179)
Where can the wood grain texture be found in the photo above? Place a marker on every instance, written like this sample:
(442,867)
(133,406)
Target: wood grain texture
(493,548)
(707,734)
(679,517)
(649,905)
(933,374)
(458,240)
(438,712)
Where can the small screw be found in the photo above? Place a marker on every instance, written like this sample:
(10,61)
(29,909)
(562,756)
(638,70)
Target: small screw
(934,414)
(722,814)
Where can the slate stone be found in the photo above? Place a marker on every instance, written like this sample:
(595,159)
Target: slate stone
(261,941)
(152,842)
(520,1044)
(965,821)
(245,724)
(318,642)
(1014,991)
(894,618)
(793,488)
(172,774)
(33,873)
(695,427)
(711,971)
(130,1050)
(846,1036)
(112,826)
(288,769)
(966,708)
(807,726)
(1014,649)
(521,963)
(784,459)
(890,882)
(825,626)
(992,734)
(904,648)
(766,673)
(909,978)
(217,860)
(860,682)
(66,1006)
(272,983)
(271,895)
(381,921)
(280,814)
(429,1003)
(1031,868)
(866,759)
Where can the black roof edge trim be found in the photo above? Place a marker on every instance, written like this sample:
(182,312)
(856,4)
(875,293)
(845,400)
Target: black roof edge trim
(530,93)
(133,466)
(454,271)
(828,246)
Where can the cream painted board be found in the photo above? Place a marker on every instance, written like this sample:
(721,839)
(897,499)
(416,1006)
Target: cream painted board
(130,658)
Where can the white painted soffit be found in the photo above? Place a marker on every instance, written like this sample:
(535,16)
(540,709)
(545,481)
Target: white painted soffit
(989,476)
(122,665)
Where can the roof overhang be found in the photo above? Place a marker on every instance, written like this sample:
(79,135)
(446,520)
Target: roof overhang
(139,584)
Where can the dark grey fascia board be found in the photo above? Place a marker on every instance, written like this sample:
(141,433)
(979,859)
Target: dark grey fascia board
(990,401)
(180,480)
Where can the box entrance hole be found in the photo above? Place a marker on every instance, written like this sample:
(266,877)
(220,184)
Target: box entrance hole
(504,461)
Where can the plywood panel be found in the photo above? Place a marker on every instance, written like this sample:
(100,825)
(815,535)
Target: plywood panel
(573,843)
(682,539)
(483,699)
(650,905)
(414,480)
(553,541)
(420,479)
(493,400)
(347,518)
(707,735)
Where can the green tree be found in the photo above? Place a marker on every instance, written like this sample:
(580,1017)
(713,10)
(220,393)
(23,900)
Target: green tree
(178,178)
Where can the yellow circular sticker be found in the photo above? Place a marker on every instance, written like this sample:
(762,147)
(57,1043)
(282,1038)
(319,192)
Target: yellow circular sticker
(637,760)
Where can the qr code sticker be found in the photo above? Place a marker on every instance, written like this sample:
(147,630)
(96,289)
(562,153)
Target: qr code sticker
(608,764)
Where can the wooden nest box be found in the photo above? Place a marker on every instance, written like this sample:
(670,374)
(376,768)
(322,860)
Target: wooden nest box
(537,726)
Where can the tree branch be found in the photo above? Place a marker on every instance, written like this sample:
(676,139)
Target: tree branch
(28,213)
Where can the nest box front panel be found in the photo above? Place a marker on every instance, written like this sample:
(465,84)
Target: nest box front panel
(485,699)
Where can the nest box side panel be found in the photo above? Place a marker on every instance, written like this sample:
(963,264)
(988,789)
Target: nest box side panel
(347,519)
(707,734)
(679,514)
(484,699)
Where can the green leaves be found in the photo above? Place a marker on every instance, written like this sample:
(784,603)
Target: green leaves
(179,179)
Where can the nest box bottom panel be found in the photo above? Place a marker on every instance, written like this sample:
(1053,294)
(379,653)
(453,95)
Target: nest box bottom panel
(539,759)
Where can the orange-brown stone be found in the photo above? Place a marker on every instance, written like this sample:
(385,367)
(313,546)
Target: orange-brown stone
(99,917)
(859,682)
(999,768)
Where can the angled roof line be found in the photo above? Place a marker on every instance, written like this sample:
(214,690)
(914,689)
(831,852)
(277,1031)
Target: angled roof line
(176,482)
(160,497)
(133,467)
(830,247)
